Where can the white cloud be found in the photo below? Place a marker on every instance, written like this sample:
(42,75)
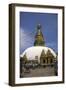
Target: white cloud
(25,39)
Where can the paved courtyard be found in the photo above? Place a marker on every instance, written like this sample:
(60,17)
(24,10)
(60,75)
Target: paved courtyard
(37,72)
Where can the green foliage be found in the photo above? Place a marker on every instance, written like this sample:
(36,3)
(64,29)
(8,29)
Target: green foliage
(25,57)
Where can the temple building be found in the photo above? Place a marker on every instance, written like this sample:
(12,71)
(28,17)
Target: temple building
(39,53)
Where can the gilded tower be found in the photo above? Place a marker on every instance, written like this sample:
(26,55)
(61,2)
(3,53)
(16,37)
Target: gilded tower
(39,40)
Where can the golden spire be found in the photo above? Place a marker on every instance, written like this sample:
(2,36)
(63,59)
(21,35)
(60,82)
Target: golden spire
(39,40)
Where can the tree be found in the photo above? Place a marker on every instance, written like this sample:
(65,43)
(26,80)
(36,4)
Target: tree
(25,57)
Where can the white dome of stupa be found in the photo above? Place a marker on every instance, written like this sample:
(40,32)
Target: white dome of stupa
(34,51)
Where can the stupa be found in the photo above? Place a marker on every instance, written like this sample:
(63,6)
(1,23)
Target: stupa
(39,52)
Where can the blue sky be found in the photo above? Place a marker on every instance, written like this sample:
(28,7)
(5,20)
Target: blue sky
(28,23)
